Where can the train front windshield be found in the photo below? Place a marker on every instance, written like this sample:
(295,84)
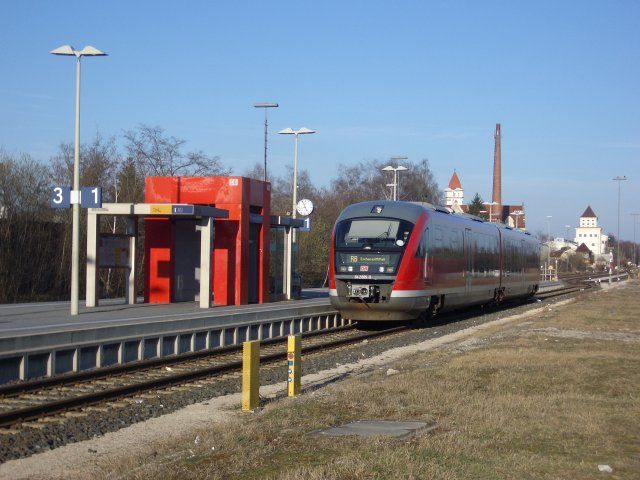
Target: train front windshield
(370,245)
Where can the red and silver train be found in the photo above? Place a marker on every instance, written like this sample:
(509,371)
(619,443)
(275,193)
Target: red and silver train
(398,260)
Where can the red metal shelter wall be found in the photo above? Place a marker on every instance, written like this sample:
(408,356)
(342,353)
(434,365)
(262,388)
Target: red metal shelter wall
(230,270)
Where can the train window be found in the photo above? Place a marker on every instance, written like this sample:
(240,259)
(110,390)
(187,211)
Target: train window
(367,233)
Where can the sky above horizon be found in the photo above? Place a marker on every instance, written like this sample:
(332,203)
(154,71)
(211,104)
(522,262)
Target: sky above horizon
(374,79)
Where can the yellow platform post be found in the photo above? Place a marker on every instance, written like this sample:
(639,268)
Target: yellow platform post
(294,365)
(250,375)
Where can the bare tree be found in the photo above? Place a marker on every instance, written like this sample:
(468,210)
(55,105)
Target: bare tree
(29,239)
(159,154)
(256,172)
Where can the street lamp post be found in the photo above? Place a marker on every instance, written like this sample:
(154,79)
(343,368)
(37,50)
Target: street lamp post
(395,170)
(290,239)
(517,213)
(266,106)
(87,51)
(549,217)
(290,131)
(635,217)
(618,179)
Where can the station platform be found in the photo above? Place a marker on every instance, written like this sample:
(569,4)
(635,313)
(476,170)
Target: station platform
(43,339)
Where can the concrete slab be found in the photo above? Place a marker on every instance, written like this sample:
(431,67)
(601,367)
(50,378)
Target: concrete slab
(369,428)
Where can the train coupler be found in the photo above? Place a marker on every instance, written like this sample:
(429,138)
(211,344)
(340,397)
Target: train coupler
(364,293)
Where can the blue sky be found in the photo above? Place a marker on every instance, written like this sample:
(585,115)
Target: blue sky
(375,79)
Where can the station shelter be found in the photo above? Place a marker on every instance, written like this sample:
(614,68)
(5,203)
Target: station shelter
(240,260)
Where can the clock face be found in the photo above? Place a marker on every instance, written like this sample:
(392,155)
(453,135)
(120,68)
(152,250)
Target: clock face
(305,207)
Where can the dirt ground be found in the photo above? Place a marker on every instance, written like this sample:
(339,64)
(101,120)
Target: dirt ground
(552,393)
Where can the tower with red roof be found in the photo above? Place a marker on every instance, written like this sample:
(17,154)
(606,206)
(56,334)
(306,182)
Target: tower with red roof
(454,194)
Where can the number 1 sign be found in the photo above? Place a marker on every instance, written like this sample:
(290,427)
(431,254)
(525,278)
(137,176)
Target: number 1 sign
(91,197)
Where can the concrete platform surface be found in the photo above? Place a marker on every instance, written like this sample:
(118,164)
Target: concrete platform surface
(29,318)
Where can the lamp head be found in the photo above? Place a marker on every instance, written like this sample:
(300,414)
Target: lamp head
(90,51)
(287,131)
(63,50)
(265,105)
(87,51)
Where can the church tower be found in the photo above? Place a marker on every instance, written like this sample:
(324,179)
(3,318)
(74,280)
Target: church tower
(453,194)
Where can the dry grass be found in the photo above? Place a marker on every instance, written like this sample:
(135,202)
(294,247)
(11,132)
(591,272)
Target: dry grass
(520,404)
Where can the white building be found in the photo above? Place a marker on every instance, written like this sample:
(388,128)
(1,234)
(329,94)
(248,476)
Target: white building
(590,233)
(559,243)
(453,194)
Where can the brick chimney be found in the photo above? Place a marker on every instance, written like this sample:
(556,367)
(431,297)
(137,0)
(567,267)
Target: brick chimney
(497,177)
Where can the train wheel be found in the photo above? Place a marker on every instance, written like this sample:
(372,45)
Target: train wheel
(426,317)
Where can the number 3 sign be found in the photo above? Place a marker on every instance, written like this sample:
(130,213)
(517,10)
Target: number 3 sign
(60,197)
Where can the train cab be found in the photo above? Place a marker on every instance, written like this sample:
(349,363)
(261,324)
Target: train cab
(369,242)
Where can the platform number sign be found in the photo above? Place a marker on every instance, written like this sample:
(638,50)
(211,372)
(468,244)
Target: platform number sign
(63,197)
(91,197)
(60,197)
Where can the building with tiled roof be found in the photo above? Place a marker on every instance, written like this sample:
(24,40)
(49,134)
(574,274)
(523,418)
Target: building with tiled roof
(454,194)
(590,233)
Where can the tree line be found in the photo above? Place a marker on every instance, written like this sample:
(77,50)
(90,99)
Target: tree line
(35,240)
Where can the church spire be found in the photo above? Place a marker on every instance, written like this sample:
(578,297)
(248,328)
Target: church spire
(454,194)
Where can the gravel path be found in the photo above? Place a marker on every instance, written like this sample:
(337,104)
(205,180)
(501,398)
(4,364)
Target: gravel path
(98,423)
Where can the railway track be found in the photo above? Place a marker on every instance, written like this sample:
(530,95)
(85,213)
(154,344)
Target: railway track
(30,401)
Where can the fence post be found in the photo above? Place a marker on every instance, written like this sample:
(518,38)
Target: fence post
(294,365)
(250,375)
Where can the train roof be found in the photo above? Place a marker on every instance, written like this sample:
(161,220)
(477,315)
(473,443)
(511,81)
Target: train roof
(410,211)
(403,210)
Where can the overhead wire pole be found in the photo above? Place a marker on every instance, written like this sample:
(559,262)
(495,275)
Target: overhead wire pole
(635,217)
(266,106)
(618,179)
(90,51)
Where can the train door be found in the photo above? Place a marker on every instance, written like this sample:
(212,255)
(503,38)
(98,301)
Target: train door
(468,254)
